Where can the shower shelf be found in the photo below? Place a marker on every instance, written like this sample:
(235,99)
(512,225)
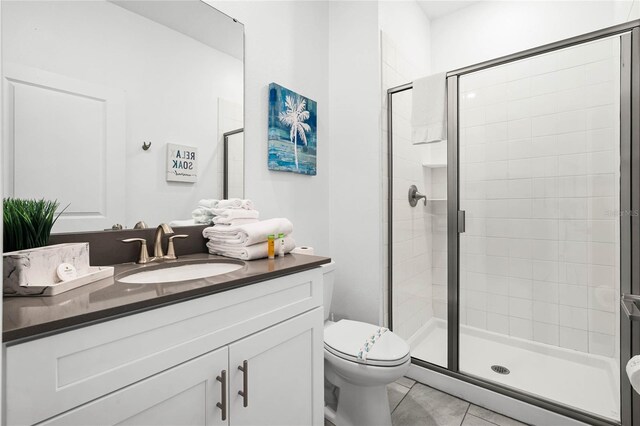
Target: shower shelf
(436,199)
(434,165)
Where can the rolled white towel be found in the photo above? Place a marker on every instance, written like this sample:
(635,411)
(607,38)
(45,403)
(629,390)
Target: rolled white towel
(255,251)
(202,211)
(248,234)
(202,215)
(225,221)
(236,213)
(208,203)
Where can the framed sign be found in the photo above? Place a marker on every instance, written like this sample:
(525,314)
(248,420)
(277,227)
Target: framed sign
(182,163)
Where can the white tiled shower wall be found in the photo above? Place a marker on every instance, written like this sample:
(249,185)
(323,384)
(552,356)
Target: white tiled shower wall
(419,274)
(436,180)
(539,180)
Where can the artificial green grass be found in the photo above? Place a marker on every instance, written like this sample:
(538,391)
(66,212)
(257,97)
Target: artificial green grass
(27,223)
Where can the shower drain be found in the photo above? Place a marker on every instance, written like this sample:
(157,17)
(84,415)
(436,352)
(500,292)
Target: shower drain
(500,369)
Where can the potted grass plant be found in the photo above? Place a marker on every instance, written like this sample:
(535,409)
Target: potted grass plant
(30,265)
(27,223)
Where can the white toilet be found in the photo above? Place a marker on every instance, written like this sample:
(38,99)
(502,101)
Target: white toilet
(362,397)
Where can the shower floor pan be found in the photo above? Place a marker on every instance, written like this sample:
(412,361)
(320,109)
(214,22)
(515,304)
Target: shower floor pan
(584,381)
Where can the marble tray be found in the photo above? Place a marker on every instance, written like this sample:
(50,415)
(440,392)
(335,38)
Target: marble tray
(37,267)
(94,274)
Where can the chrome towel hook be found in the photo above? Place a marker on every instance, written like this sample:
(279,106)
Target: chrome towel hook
(415,196)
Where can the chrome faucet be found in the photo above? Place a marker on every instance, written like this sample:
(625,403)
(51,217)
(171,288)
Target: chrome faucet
(161,230)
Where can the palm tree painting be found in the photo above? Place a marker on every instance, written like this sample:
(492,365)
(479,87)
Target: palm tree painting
(292,131)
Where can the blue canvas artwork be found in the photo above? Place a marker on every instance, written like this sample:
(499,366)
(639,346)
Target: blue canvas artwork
(293,135)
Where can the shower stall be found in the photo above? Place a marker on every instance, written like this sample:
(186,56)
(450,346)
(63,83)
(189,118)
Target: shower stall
(510,276)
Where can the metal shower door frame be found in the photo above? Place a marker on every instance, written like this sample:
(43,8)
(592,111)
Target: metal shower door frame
(629,224)
(225,161)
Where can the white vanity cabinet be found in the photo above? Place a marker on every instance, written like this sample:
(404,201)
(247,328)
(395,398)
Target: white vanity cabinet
(183,395)
(179,364)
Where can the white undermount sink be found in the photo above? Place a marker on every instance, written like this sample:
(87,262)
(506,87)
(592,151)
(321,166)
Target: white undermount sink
(171,274)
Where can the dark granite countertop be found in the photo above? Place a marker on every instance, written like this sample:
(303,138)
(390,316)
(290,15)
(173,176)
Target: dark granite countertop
(31,317)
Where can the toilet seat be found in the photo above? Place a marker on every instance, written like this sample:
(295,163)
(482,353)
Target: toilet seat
(345,339)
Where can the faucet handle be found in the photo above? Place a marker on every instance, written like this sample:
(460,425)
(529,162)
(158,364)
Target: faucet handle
(415,196)
(144,253)
(171,251)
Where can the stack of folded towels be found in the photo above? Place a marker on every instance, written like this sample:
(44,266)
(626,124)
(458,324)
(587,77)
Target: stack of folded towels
(248,241)
(228,212)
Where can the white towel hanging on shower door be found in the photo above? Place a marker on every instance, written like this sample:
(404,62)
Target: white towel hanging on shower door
(429,109)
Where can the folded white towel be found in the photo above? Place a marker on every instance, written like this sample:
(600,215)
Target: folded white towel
(225,221)
(209,203)
(255,251)
(202,211)
(178,223)
(429,109)
(249,234)
(236,213)
(234,203)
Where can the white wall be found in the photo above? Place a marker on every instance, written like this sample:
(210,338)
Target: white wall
(406,25)
(164,74)
(286,43)
(491,29)
(356,198)
(327,51)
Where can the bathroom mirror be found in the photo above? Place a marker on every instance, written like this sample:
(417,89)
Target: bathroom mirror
(112,107)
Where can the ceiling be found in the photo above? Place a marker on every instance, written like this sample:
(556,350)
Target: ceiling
(437,9)
(195,19)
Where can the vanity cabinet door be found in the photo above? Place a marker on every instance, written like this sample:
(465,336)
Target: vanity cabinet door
(184,395)
(281,376)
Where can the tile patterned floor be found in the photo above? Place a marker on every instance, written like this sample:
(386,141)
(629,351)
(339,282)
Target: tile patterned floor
(414,404)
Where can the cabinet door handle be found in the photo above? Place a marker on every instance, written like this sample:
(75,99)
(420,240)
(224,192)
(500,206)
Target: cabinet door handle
(222,378)
(244,393)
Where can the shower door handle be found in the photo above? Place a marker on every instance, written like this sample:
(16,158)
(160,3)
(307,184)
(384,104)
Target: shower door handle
(462,220)
(629,304)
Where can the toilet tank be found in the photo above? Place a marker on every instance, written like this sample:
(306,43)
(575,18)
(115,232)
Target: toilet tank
(328,270)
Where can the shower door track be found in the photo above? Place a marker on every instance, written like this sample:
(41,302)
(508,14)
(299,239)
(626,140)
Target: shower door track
(629,228)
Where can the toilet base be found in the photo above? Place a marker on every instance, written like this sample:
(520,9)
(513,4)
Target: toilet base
(358,405)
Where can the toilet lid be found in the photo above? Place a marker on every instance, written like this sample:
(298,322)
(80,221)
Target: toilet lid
(346,338)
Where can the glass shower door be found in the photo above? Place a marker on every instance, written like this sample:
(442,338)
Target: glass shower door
(418,238)
(539,261)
